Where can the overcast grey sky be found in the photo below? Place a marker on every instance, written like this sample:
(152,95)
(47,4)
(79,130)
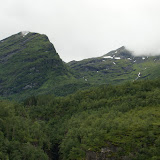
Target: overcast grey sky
(86,28)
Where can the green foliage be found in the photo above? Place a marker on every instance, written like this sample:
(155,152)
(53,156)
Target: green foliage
(125,119)
(120,121)
(21,137)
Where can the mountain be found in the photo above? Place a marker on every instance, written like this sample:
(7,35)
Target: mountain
(116,67)
(121,53)
(30,65)
(103,122)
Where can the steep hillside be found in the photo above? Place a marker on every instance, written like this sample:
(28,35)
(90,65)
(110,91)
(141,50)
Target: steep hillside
(116,67)
(30,65)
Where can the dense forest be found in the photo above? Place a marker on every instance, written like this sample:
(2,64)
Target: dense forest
(114,122)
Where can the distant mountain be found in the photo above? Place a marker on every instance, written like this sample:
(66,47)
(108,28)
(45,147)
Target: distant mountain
(121,52)
(117,67)
(30,65)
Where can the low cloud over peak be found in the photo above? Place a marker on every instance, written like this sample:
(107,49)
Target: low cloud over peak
(148,46)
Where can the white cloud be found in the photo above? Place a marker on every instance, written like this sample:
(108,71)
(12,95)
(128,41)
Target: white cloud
(86,28)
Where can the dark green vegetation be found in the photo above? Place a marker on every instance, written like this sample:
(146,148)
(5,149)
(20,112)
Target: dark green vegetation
(21,137)
(120,122)
(116,67)
(29,65)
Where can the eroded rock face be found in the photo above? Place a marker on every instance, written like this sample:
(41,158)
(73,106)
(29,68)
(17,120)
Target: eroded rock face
(96,156)
(106,153)
(109,152)
(103,155)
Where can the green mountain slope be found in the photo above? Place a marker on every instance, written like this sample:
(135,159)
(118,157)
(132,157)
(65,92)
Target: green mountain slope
(30,65)
(116,67)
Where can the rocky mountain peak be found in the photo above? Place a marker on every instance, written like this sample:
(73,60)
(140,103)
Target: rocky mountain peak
(120,53)
(24,33)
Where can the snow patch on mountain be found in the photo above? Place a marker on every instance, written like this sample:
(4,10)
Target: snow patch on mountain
(24,33)
(108,57)
(117,57)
